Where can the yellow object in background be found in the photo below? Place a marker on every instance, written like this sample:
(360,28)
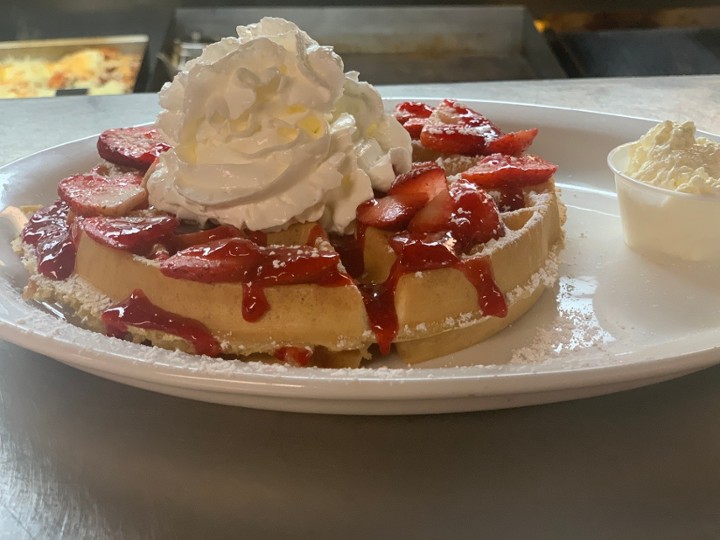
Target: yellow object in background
(99,70)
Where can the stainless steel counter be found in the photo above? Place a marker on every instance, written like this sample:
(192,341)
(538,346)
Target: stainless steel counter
(82,457)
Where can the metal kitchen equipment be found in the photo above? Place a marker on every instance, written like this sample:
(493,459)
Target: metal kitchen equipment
(390,45)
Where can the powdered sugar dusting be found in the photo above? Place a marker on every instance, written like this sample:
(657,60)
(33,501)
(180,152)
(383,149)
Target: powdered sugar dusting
(546,277)
(574,329)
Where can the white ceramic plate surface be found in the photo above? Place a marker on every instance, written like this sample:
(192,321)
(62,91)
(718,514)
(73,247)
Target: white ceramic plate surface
(614,321)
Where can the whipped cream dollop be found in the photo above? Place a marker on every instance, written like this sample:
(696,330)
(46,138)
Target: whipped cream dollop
(267,130)
(670,156)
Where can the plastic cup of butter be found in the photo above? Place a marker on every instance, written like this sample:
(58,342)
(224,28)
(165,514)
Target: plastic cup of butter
(662,222)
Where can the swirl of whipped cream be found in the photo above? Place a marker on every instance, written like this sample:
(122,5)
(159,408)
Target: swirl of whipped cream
(268,130)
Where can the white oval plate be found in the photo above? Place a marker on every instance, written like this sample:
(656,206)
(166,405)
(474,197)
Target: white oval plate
(614,321)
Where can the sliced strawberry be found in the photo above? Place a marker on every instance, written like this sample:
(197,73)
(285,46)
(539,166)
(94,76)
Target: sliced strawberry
(453,139)
(475,218)
(136,234)
(241,260)
(136,147)
(46,219)
(414,127)
(466,211)
(186,240)
(426,178)
(50,233)
(56,253)
(224,260)
(412,109)
(434,216)
(412,116)
(297,356)
(514,143)
(283,265)
(392,212)
(104,191)
(451,112)
(497,170)
(425,251)
(455,129)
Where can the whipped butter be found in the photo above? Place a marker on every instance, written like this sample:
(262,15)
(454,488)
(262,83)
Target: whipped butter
(670,156)
(681,219)
(268,130)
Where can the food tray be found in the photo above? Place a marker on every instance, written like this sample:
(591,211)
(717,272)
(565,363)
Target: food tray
(54,49)
(393,45)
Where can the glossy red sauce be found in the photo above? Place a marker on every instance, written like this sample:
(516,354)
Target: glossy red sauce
(49,231)
(284,265)
(479,273)
(138,311)
(135,234)
(239,260)
(254,304)
(420,253)
(379,300)
(299,356)
(50,217)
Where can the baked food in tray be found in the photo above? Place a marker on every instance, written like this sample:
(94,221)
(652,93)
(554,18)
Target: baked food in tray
(44,68)
(413,275)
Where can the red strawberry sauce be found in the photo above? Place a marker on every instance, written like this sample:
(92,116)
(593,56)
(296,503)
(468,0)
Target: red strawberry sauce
(138,311)
(300,356)
(239,260)
(416,253)
(49,232)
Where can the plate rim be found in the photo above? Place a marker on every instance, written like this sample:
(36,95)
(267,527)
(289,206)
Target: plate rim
(332,385)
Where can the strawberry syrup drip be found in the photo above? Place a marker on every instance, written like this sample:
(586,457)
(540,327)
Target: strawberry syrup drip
(138,311)
(49,232)
(254,304)
(281,265)
(239,260)
(417,254)
(478,271)
(380,306)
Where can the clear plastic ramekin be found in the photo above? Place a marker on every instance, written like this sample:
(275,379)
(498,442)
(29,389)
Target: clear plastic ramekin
(658,221)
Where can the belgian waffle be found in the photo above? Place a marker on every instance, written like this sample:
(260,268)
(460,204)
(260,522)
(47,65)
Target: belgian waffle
(340,316)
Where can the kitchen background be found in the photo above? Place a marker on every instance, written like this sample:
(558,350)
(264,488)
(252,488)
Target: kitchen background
(552,38)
